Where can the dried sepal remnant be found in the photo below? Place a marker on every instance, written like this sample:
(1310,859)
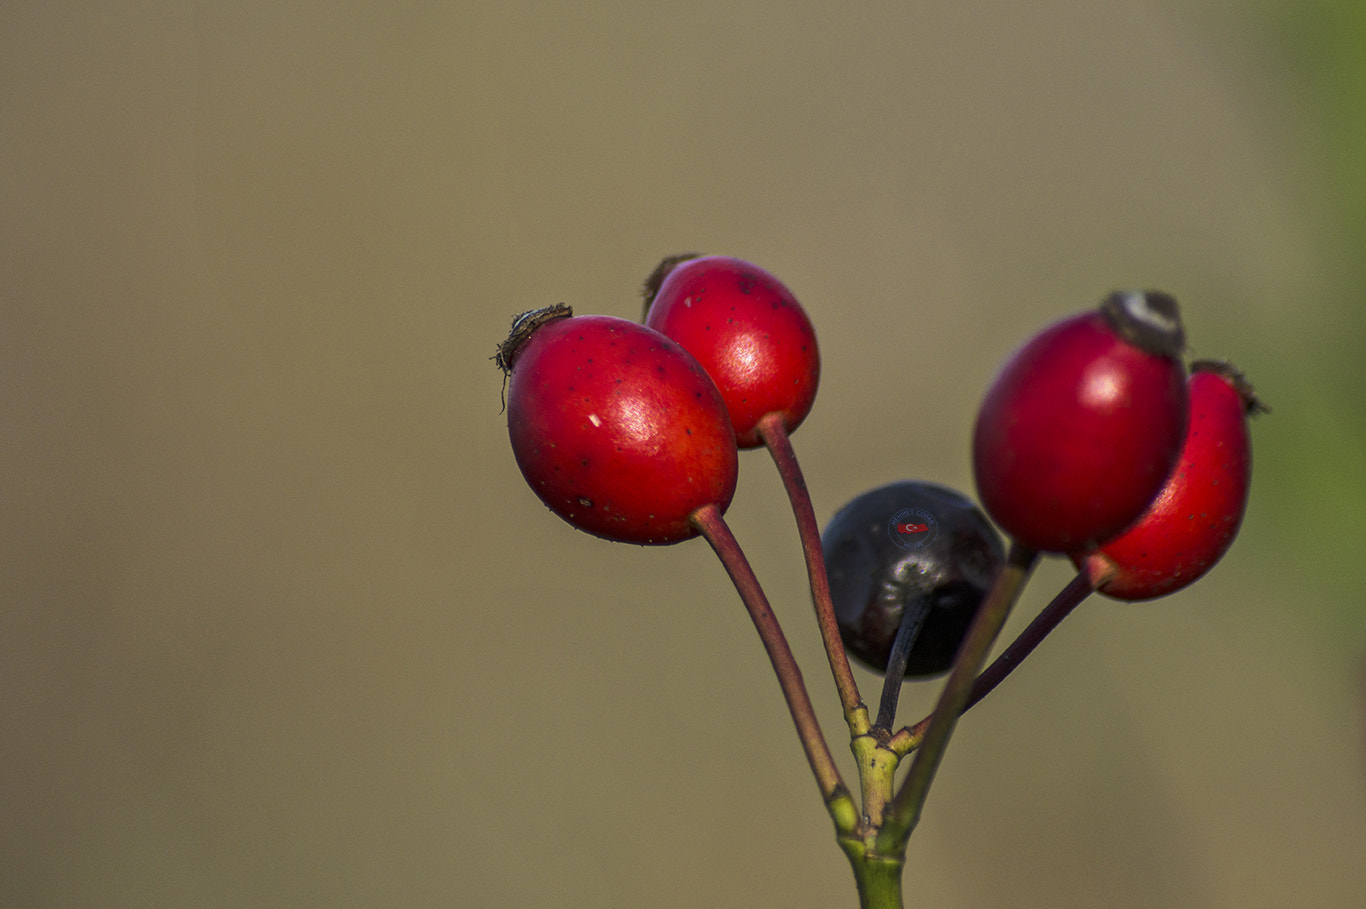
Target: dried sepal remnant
(523,324)
(650,289)
(1252,405)
(1149,319)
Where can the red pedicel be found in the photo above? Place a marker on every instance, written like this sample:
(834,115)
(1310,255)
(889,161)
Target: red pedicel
(617,428)
(1081,427)
(746,329)
(1194,519)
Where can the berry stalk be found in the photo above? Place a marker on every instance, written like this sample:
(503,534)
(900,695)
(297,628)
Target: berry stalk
(773,432)
(712,526)
(1071,596)
(911,621)
(904,811)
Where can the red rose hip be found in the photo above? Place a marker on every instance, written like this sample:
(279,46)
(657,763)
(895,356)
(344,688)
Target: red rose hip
(1081,427)
(746,329)
(617,428)
(1194,519)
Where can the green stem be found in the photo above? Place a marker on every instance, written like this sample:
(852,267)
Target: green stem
(878,877)
(779,444)
(877,874)
(904,811)
(839,802)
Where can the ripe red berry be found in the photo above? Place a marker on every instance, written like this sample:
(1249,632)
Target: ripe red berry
(1193,520)
(746,329)
(614,426)
(1083,424)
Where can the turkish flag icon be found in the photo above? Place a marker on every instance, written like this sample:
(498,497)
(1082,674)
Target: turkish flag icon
(912,528)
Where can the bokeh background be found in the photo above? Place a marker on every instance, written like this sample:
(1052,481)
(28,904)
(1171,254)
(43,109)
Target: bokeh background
(281,624)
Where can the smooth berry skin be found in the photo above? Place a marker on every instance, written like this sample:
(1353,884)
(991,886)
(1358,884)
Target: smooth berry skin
(747,330)
(1080,428)
(618,429)
(876,573)
(1195,518)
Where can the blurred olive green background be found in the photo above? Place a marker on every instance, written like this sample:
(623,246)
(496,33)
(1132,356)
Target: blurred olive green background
(281,624)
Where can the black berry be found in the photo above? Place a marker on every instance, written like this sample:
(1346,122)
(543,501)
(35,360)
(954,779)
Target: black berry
(909,546)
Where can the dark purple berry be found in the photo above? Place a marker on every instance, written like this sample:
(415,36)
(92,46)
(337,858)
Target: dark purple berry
(909,546)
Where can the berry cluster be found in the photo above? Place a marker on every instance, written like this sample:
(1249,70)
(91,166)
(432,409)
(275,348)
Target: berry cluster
(1093,442)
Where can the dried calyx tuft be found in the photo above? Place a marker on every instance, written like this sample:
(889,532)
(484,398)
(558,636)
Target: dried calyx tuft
(656,278)
(1149,319)
(522,327)
(1251,403)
